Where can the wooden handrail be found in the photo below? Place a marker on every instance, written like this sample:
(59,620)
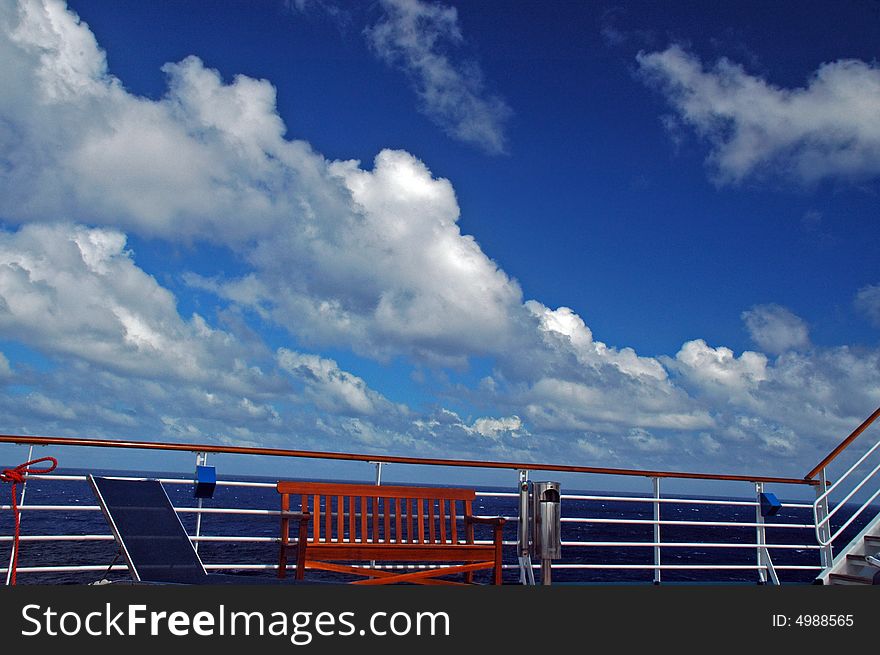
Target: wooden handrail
(386,459)
(843,445)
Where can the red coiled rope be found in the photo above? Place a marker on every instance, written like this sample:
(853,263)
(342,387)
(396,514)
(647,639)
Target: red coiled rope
(15,476)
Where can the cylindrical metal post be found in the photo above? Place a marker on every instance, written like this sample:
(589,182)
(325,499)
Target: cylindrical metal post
(526,573)
(546,571)
(546,533)
(655,483)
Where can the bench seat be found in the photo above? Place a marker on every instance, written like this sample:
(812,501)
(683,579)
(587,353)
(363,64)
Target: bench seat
(356,523)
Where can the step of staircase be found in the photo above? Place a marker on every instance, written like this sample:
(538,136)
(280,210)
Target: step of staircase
(842,579)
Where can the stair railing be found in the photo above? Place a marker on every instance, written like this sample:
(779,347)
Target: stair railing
(822,514)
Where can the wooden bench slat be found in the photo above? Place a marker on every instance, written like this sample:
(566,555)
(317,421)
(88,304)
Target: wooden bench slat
(405,553)
(388,491)
(453,520)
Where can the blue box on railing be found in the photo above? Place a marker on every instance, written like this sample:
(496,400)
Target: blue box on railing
(205,482)
(769,504)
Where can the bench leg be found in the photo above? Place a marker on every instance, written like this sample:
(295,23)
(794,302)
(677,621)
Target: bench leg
(285,536)
(302,543)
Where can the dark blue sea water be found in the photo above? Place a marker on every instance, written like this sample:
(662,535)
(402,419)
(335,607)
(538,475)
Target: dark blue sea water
(50,492)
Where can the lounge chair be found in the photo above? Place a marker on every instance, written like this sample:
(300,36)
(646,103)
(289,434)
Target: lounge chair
(151,537)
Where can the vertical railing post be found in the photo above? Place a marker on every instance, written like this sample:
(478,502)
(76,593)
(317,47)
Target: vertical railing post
(823,525)
(201,460)
(378,484)
(765,563)
(526,572)
(761,534)
(655,483)
(20,505)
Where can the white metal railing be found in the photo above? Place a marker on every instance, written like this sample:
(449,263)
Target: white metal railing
(580,510)
(651,521)
(822,514)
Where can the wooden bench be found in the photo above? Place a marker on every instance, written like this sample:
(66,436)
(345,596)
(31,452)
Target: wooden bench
(353,523)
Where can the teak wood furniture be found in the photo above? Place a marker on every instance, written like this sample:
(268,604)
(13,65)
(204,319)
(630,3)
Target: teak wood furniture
(353,523)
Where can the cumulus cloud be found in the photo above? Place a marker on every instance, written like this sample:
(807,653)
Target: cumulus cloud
(343,255)
(367,258)
(719,370)
(75,291)
(825,129)
(868,302)
(776,329)
(331,388)
(412,35)
(495,427)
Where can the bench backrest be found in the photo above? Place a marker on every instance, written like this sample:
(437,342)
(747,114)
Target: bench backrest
(364,513)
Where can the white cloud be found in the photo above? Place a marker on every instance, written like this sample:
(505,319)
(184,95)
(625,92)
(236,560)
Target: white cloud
(74,291)
(645,442)
(719,367)
(493,428)
(410,35)
(341,255)
(564,323)
(868,302)
(331,388)
(826,129)
(369,259)
(776,329)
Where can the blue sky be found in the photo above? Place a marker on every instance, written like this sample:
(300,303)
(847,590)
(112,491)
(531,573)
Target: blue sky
(609,234)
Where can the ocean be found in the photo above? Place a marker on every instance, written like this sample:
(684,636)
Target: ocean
(66,553)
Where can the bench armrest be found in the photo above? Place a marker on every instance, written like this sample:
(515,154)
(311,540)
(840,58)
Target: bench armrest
(302,516)
(486,520)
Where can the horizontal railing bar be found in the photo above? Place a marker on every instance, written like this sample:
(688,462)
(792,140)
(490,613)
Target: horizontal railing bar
(71,568)
(180,510)
(680,544)
(83,478)
(667,566)
(479,494)
(390,459)
(270,567)
(574,544)
(60,537)
(647,567)
(53,508)
(727,524)
(681,501)
(274,512)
